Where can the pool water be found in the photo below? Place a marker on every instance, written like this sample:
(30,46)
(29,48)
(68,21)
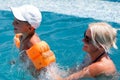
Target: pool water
(64,34)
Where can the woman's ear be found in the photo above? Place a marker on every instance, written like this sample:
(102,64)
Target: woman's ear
(101,48)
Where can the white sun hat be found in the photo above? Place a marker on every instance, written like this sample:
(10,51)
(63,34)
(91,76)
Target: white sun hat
(28,13)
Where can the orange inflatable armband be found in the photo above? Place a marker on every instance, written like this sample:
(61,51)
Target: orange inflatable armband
(41,55)
(17,40)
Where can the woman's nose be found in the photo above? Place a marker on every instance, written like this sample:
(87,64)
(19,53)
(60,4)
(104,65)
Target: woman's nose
(83,40)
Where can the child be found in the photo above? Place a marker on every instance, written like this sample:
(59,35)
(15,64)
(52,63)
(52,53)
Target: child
(33,51)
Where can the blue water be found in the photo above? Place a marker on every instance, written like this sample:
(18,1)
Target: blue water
(113,0)
(63,32)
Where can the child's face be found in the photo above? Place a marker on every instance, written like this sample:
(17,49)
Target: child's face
(20,26)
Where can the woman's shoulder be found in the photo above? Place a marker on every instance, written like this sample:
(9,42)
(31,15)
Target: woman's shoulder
(98,68)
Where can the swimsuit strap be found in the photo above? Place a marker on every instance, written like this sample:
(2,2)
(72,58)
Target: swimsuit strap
(98,57)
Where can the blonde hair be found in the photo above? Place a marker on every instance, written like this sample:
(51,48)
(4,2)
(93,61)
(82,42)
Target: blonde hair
(103,34)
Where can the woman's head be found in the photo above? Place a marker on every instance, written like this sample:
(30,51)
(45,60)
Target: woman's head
(103,35)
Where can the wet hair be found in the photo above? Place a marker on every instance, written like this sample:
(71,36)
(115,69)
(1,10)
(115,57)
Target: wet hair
(104,35)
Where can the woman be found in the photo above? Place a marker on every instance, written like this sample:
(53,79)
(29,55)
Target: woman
(98,39)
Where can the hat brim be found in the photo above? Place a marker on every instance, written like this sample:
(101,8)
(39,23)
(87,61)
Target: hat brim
(17,13)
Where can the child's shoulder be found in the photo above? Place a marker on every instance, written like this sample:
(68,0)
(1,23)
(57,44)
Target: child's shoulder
(35,39)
